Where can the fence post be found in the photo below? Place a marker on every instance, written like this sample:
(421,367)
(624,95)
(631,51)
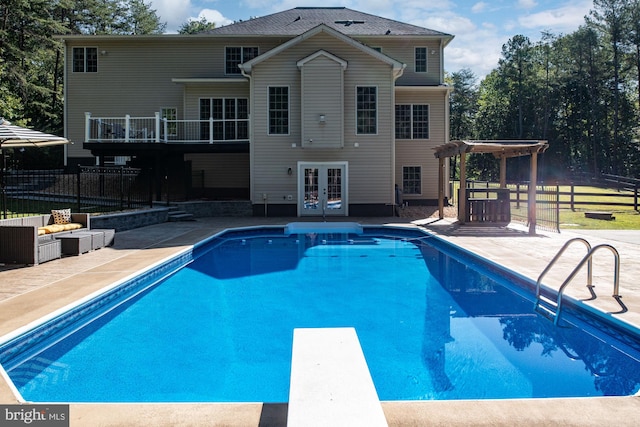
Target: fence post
(572,198)
(79,186)
(87,127)
(558,207)
(127,127)
(121,188)
(635,197)
(157,126)
(518,195)
(150,180)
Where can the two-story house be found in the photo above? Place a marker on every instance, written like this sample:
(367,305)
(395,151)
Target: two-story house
(310,111)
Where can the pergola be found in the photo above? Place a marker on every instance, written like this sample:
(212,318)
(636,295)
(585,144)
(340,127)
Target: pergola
(502,149)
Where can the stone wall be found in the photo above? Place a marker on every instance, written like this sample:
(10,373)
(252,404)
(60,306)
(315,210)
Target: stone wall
(127,220)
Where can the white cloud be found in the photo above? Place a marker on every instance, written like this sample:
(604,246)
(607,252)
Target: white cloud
(212,15)
(479,7)
(527,4)
(173,12)
(562,19)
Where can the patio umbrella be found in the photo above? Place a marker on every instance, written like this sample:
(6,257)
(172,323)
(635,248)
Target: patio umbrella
(12,136)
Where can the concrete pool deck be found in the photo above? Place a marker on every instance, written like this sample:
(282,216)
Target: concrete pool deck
(29,293)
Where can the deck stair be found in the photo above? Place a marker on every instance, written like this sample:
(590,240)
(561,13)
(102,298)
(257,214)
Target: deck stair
(176,215)
(551,309)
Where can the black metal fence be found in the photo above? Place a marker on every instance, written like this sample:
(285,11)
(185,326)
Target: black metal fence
(547,201)
(91,189)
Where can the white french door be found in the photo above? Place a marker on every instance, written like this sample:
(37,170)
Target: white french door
(322,188)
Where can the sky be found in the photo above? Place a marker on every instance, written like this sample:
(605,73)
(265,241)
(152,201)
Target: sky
(480,27)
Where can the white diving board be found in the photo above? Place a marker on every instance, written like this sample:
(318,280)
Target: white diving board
(330,381)
(322,227)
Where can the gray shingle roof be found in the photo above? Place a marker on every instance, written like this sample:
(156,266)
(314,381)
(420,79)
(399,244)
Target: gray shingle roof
(299,20)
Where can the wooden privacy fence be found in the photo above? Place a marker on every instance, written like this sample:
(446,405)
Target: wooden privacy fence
(91,189)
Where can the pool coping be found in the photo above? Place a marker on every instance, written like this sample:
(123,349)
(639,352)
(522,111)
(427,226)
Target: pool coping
(572,411)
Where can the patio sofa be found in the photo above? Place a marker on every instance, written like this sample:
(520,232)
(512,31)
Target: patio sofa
(34,239)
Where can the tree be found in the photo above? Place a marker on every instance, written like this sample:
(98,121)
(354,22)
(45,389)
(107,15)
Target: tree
(196,26)
(608,16)
(144,20)
(31,75)
(463,104)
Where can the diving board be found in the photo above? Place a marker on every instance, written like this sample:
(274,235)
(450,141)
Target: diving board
(322,227)
(330,382)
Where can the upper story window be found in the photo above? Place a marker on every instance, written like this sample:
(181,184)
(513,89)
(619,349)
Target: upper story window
(85,59)
(412,121)
(235,56)
(230,119)
(278,110)
(366,110)
(421,60)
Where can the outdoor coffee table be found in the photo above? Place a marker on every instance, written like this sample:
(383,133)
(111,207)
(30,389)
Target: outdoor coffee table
(75,243)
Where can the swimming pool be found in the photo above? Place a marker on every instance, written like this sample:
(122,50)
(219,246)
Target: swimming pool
(418,326)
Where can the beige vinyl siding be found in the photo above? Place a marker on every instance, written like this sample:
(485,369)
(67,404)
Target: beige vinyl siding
(222,170)
(404,51)
(135,77)
(370,164)
(419,152)
(322,94)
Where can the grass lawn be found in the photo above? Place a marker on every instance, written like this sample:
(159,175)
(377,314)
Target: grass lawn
(625,219)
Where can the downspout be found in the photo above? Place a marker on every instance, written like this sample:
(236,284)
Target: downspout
(65,103)
(397,73)
(251,165)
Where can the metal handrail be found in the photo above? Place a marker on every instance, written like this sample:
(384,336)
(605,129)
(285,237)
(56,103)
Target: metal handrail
(587,258)
(555,259)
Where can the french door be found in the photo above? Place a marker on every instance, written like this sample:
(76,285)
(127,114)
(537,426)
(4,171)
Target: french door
(322,188)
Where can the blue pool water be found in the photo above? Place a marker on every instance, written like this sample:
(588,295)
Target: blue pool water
(220,328)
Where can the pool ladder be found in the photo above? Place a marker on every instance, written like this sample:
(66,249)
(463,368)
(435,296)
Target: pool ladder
(550,308)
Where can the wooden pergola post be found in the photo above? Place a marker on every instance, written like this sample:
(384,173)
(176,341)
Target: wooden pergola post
(462,194)
(531,198)
(502,149)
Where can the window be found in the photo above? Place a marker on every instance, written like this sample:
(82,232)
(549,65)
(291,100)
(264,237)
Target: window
(366,110)
(230,119)
(421,60)
(278,110)
(235,56)
(171,114)
(411,181)
(85,59)
(412,121)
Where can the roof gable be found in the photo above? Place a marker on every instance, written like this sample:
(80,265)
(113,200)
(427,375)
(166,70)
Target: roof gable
(397,66)
(299,20)
(325,54)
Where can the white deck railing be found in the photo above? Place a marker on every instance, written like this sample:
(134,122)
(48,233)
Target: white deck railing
(160,130)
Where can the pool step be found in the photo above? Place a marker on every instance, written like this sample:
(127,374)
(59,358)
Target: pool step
(330,381)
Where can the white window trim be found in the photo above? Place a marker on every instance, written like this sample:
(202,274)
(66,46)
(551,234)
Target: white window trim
(242,48)
(356,110)
(402,180)
(225,120)
(288,111)
(84,65)
(411,118)
(426,58)
(162,110)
